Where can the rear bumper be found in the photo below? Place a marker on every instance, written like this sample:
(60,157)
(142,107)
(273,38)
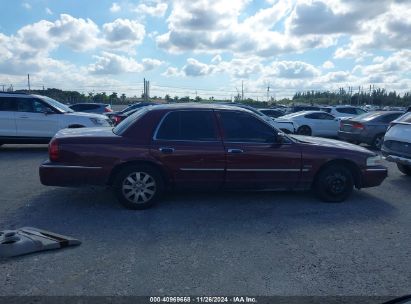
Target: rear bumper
(52,174)
(354,137)
(398,159)
(373,176)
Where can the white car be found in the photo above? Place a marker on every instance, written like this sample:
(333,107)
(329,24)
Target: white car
(285,126)
(397,143)
(343,111)
(316,123)
(26,118)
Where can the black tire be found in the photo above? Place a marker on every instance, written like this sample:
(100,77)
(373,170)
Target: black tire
(304,130)
(144,193)
(404,169)
(377,141)
(334,184)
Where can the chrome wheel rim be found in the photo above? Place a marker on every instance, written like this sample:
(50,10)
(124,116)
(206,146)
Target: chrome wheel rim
(139,187)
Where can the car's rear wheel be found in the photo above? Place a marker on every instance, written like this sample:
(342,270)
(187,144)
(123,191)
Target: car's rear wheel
(378,140)
(138,187)
(404,169)
(304,130)
(334,184)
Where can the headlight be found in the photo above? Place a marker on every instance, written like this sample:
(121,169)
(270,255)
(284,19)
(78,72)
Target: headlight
(98,121)
(374,161)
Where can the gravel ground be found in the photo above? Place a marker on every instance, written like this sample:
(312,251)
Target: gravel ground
(206,243)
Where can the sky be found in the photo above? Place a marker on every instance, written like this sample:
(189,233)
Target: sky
(271,48)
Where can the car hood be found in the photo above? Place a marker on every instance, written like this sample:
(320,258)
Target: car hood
(87,115)
(86,132)
(331,143)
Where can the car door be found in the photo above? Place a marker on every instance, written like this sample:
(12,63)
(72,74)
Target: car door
(33,120)
(256,158)
(188,144)
(8,107)
(329,125)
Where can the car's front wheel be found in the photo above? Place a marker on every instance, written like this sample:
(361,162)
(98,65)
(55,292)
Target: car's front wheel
(404,169)
(138,187)
(334,184)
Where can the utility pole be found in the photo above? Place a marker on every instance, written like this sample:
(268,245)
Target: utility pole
(242,90)
(268,91)
(28,82)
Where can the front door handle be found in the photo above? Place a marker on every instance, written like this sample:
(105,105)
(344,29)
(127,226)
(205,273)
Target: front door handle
(166,150)
(235,151)
(23,117)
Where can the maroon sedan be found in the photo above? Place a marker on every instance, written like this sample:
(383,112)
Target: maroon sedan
(206,147)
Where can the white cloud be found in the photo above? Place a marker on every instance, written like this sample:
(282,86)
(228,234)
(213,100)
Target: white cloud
(109,63)
(115,7)
(150,63)
(195,68)
(157,9)
(49,11)
(328,65)
(26,5)
(123,33)
(292,70)
(172,72)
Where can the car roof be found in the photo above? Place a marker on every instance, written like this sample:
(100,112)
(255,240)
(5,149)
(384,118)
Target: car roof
(88,103)
(193,106)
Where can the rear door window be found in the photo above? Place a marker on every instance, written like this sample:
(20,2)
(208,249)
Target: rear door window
(243,127)
(188,126)
(8,104)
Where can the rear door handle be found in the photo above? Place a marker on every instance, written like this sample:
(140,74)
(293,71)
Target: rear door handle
(235,151)
(166,150)
(23,117)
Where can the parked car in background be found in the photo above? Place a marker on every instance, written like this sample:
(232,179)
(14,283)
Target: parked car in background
(117,118)
(285,126)
(26,118)
(205,146)
(316,123)
(299,108)
(397,143)
(98,108)
(273,113)
(128,109)
(343,111)
(368,128)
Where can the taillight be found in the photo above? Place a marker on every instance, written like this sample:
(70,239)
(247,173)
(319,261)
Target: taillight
(116,119)
(108,110)
(341,125)
(53,150)
(358,125)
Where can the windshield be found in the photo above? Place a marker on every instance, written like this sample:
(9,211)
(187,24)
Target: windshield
(55,104)
(126,123)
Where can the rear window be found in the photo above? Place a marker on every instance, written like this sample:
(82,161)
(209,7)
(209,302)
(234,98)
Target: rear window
(188,125)
(347,110)
(368,116)
(126,123)
(405,118)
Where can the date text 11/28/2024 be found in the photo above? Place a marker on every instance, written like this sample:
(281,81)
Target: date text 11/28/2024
(238,299)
